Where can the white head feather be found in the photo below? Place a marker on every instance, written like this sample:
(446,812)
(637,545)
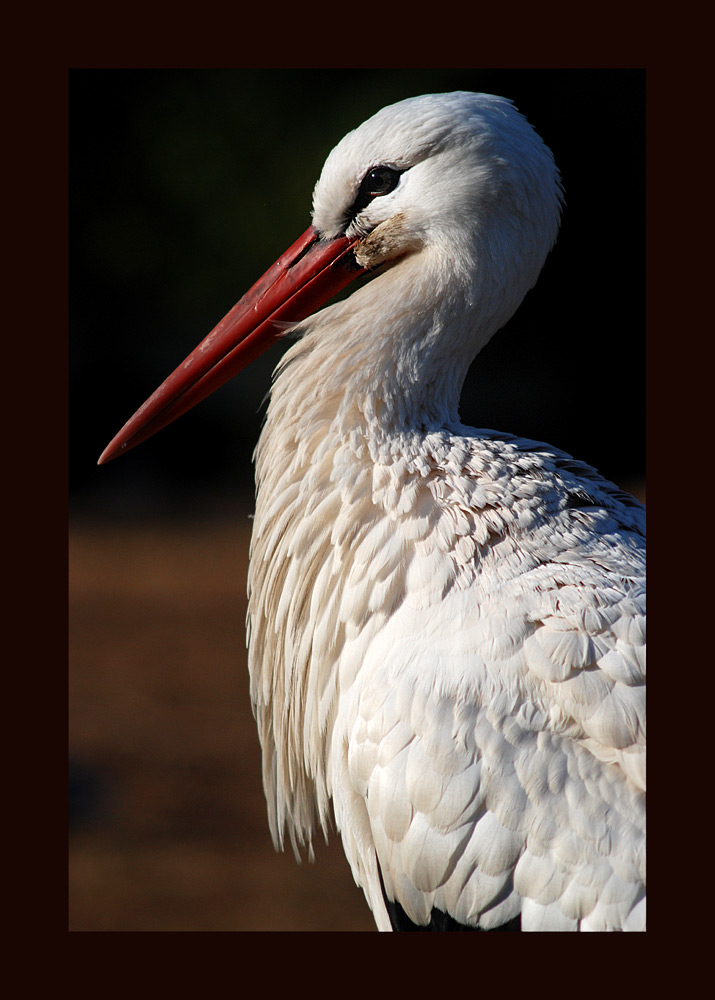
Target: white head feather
(472,165)
(456,245)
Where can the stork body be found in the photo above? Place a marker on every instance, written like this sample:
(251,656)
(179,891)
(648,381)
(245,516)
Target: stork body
(446,625)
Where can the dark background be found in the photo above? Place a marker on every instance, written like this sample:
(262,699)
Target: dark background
(184,186)
(187,184)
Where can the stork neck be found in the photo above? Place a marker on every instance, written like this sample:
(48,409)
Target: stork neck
(389,360)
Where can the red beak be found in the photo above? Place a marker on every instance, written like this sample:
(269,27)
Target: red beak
(303,279)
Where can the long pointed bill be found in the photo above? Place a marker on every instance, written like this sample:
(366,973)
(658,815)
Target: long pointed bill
(303,279)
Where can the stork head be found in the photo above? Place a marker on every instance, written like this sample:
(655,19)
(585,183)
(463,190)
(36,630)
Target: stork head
(456,188)
(444,171)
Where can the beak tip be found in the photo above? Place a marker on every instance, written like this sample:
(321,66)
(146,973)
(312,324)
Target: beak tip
(110,452)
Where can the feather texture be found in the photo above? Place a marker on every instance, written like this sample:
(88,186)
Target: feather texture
(447,625)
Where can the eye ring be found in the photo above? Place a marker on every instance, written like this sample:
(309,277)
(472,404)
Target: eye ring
(377,182)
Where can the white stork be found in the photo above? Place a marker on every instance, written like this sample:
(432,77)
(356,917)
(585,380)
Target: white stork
(446,626)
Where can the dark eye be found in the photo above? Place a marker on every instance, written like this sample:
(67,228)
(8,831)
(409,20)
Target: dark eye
(376,182)
(379,181)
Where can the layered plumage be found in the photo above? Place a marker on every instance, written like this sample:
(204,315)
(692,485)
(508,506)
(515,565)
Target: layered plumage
(446,626)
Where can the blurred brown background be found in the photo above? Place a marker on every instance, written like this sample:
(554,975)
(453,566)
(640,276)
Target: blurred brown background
(184,186)
(168,822)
